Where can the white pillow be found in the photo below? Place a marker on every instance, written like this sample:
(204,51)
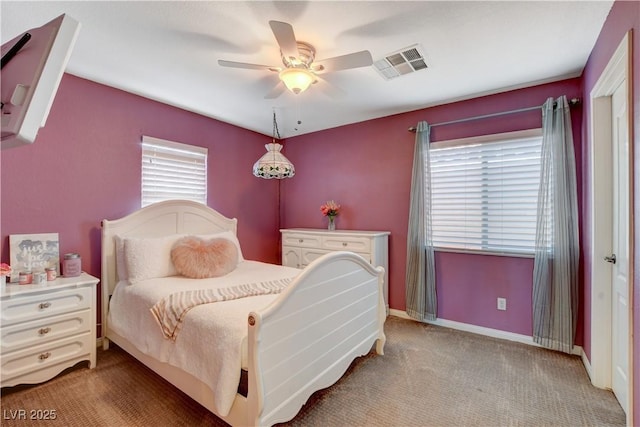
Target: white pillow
(149,258)
(121,266)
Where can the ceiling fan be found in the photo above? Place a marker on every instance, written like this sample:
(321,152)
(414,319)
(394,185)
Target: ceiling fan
(299,59)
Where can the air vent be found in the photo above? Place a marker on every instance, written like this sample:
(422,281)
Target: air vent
(404,61)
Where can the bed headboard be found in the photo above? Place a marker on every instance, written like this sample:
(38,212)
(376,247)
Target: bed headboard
(156,220)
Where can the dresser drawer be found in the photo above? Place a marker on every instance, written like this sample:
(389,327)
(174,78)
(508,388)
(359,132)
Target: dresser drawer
(27,308)
(38,360)
(346,243)
(44,330)
(310,255)
(301,240)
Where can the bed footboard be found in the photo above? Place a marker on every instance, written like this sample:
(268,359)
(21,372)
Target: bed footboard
(305,340)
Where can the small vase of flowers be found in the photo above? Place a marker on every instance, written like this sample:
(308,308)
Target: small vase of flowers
(330,209)
(5,271)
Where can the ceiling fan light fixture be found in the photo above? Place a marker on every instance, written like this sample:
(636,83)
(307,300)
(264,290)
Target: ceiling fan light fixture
(298,57)
(297,80)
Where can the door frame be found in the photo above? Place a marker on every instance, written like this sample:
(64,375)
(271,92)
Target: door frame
(618,70)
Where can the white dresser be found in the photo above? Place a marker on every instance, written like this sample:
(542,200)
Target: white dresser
(46,328)
(300,246)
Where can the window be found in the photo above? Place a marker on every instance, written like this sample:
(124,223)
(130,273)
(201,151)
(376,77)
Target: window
(484,192)
(171,170)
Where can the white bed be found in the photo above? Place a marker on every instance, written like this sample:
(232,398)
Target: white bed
(291,344)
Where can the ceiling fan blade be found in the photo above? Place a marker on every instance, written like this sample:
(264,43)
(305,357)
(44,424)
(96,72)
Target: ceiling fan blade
(278,90)
(344,62)
(233,64)
(330,89)
(286,38)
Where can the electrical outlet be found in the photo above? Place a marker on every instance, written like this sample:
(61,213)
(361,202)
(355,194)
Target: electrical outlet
(502,303)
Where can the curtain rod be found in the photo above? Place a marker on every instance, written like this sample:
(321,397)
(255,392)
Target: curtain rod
(573,101)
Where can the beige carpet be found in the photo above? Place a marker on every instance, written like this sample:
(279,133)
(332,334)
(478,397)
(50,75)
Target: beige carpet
(429,376)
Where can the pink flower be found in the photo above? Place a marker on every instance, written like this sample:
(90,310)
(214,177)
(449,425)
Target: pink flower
(5,269)
(330,208)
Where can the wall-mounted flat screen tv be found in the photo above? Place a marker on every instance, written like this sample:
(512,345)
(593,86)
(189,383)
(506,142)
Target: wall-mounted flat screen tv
(32,66)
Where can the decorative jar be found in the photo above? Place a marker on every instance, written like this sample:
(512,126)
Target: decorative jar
(52,273)
(72,265)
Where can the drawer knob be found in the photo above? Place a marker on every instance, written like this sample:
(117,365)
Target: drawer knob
(44,356)
(44,305)
(300,240)
(44,331)
(344,244)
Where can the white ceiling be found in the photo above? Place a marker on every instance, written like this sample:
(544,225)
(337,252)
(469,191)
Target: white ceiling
(168,51)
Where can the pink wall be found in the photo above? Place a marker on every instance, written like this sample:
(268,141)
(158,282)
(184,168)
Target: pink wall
(469,285)
(624,16)
(85,166)
(366,167)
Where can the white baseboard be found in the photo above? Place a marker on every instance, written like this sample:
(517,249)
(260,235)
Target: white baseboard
(481,330)
(587,364)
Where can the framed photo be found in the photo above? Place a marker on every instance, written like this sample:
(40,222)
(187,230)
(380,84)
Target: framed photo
(33,252)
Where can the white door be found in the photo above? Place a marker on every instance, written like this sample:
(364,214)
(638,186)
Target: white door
(620,265)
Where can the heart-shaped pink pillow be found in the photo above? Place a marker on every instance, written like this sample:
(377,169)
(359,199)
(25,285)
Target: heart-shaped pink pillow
(198,258)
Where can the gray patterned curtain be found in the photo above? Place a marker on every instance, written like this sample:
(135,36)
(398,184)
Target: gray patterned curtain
(421,302)
(555,271)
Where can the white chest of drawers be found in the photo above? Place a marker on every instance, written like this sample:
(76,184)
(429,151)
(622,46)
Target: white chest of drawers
(45,329)
(300,246)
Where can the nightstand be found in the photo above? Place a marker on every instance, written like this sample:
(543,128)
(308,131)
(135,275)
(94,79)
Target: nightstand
(46,328)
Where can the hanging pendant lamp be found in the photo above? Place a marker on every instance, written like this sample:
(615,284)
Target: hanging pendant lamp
(273,164)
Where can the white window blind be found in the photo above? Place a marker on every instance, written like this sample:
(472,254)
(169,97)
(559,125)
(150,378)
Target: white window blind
(171,170)
(484,192)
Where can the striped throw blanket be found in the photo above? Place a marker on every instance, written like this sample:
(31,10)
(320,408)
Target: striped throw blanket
(171,310)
